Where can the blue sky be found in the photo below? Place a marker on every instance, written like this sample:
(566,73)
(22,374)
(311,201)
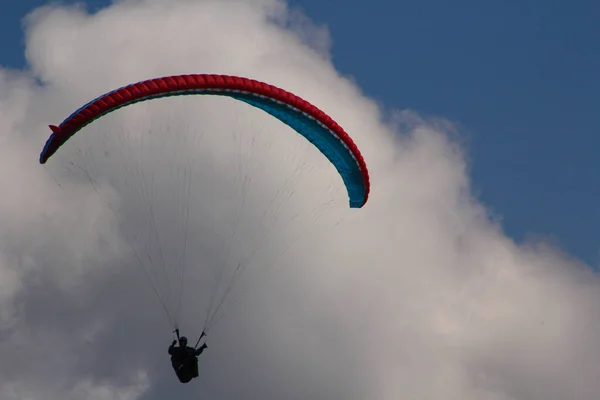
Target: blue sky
(520,78)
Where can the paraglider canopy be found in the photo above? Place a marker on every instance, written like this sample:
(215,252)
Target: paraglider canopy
(306,119)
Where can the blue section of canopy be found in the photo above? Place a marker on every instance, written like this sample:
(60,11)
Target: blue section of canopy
(321,137)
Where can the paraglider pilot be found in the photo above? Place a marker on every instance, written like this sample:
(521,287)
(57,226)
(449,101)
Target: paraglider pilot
(184,358)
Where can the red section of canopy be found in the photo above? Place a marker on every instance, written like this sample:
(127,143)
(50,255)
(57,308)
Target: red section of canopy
(182,83)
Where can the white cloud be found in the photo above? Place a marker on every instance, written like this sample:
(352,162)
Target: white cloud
(417,296)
